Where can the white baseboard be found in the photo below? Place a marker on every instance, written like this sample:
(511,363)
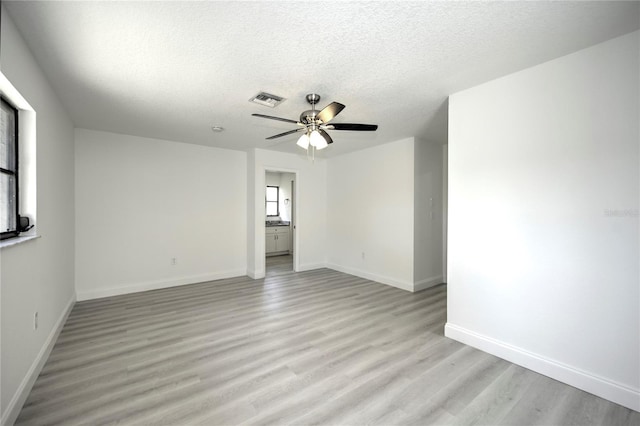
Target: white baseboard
(310,266)
(17,401)
(408,286)
(254,274)
(155,285)
(427,283)
(588,382)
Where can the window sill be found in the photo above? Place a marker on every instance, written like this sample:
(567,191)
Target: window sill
(18,240)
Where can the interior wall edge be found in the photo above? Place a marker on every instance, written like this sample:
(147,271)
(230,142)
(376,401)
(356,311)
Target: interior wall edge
(584,380)
(17,401)
(257,274)
(159,284)
(428,283)
(403,285)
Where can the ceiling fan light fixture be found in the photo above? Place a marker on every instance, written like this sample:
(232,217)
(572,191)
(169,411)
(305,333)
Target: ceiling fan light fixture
(317,140)
(303,142)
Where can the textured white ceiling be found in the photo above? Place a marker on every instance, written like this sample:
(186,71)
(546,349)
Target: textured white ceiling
(171,70)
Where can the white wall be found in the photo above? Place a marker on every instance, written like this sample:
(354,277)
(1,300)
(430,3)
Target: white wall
(445,207)
(428,214)
(272,179)
(543,219)
(370,208)
(285,193)
(311,206)
(253,202)
(36,275)
(141,202)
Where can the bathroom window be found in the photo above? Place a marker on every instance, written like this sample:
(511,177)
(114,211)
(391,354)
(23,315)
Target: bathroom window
(273,201)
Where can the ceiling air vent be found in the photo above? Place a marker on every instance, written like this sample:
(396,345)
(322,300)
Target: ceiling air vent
(267,100)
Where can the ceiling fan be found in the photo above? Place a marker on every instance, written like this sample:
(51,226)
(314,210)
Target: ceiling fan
(314,124)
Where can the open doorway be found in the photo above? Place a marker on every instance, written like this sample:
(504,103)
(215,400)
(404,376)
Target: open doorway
(279,222)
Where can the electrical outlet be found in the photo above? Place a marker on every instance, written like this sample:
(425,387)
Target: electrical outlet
(173,261)
(35,320)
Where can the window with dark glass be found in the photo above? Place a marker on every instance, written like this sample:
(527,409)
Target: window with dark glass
(272,201)
(8,171)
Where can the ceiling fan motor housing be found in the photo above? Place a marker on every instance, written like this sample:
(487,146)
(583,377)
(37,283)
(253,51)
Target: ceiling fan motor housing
(308,117)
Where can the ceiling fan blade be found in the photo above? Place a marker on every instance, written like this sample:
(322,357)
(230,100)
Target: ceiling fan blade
(326,136)
(286,120)
(287,133)
(353,126)
(329,112)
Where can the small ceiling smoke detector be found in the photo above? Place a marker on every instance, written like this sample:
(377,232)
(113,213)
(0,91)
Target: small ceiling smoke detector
(217,128)
(266,99)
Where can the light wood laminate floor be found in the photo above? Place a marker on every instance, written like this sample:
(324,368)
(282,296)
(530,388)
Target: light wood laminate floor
(278,265)
(318,347)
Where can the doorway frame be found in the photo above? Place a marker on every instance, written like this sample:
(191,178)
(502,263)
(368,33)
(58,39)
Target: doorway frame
(294,213)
